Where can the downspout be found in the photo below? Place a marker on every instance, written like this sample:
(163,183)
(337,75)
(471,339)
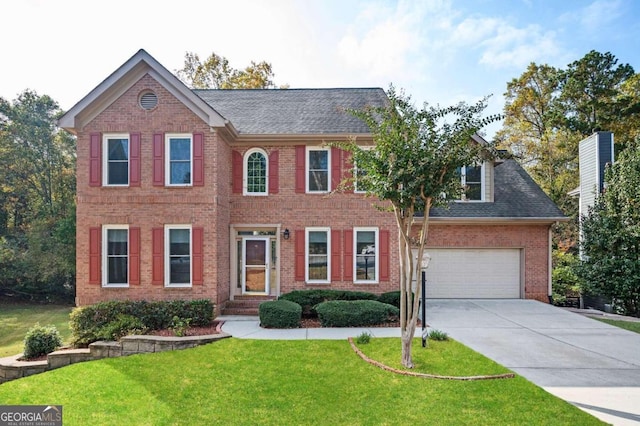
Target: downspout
(550,265)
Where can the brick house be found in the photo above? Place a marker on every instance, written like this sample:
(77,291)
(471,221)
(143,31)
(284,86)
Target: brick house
(220,194)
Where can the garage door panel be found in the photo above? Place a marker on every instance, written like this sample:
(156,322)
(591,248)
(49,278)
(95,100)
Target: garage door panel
(473,273)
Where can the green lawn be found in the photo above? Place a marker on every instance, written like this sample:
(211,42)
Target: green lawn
(17,319)
(303,382)
(627,325)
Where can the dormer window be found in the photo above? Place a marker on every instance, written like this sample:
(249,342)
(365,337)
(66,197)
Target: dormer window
(472,179)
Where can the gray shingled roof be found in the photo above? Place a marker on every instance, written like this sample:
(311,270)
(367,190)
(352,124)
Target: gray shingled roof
(293,111)
(516,195)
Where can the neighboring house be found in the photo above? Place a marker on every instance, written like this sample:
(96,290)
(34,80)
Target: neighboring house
(594,153)
(219,194)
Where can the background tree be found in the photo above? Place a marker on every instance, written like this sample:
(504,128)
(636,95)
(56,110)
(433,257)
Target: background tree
(611,236)
(216,73)
(590,89)
(549,110)
(413,166)
(37,190)
(627,130)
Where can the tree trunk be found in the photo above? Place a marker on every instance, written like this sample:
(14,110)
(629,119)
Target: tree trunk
(407,360)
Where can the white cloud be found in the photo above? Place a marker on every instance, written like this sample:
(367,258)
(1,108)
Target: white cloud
(381,41)
(512,47)
(599,12)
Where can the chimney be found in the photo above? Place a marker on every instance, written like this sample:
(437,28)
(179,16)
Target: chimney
(594,153)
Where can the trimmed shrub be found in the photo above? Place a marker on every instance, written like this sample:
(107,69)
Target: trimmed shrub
(280,314)
(179,326)
(355,313)
(310,298)
(88,322)
(41,340)
(392,298)
(123,325)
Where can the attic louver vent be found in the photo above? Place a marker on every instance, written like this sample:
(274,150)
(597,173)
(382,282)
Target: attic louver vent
(148,100)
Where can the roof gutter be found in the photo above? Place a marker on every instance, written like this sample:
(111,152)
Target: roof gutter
(495,220)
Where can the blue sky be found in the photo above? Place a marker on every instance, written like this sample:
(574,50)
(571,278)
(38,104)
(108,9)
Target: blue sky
(438,51)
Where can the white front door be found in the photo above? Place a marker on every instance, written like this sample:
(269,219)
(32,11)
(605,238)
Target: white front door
(255,271)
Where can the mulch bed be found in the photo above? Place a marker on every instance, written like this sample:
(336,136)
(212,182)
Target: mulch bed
(315,323)
(214,328)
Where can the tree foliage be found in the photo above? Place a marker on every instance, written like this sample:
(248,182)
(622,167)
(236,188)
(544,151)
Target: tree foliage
(37,200)
(216,73)
(413,166)
(549,110)
(611,236)
(590,89)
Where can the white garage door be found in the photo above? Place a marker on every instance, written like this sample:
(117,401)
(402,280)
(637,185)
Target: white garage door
(473,274)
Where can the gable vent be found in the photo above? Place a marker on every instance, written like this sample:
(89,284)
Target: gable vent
(148,100)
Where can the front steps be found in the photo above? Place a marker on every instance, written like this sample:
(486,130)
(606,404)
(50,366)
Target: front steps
(245,305)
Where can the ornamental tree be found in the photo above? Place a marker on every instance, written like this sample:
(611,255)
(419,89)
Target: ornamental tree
(413,166)
(610,244)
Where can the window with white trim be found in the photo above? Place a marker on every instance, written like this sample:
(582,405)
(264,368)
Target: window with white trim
(179,159)
(318,169)
(365,248)
(256,172)
(318,261)
(472,179)
(115,170)
(115,258)
(178,258)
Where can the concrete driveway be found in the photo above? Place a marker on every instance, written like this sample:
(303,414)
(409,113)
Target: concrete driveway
(593,365)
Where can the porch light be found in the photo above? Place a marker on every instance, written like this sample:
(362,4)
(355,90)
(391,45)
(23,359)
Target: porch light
(286,234)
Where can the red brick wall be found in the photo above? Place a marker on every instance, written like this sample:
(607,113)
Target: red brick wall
(346,211)
(147,206)
(215,208)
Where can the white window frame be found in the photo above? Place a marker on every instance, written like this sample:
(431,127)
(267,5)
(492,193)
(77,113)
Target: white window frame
(307,169)
(463,181)
(245,172)
(355,254)
(105,158)
(355,174)
(167,157)
(105,255)
(306,255)
(167,256)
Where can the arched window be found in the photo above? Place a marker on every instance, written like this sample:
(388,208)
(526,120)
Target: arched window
(255,172)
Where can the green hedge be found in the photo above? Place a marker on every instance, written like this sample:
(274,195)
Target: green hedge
(310,298)
(355,313)
(392,298)
(90,323)
(280,314)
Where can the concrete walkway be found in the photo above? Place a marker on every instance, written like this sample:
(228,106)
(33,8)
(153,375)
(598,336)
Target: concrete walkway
(588,363)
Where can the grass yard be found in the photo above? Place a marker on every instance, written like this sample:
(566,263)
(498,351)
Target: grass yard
(17,319)
(300,382)
(627,325)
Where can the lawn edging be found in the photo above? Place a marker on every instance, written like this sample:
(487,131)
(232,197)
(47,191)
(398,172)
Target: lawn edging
(424,375)
(12,367)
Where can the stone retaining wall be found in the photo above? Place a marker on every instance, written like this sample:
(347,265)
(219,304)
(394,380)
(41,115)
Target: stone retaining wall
(11,368)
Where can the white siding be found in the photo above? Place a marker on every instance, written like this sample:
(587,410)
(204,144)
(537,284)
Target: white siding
(588,157)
